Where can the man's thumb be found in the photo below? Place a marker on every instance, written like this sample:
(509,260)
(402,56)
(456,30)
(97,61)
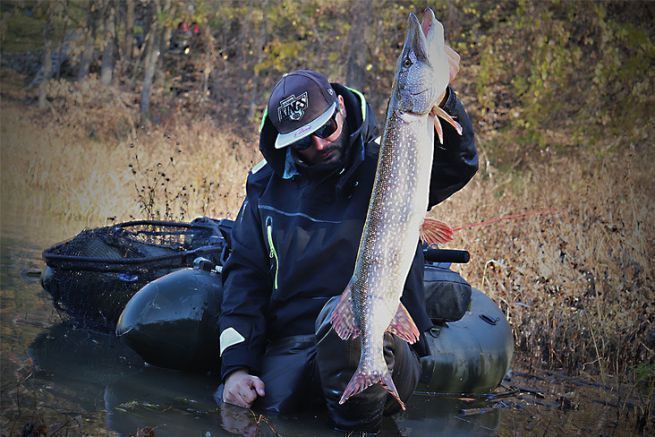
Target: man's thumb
(258,384)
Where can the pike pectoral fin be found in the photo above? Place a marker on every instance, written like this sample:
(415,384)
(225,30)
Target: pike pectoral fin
(438,128)
(443,115)
(343,318)
(435,232)
(402,326)
(361,381)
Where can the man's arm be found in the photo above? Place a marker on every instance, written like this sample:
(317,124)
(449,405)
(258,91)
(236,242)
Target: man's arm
(246,293)
(456,161)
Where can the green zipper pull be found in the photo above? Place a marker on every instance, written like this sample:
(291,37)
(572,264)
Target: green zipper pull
(273,252)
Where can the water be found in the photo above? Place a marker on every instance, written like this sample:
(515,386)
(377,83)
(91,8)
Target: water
(76,381)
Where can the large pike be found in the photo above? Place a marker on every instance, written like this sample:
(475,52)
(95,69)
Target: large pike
(370,305)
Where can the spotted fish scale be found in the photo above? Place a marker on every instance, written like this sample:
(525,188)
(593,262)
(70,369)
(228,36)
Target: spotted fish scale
(370,305)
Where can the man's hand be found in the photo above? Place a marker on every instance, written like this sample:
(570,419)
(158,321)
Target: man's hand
(242,389)
(453,69)
(453,63)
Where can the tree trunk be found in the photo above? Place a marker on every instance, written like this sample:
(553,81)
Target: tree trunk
(224,39)
(150,61)
(47,59)
(139,45)
(260,41)
(164,38)
(153,47)
(89,42)
(357,49)
(129,31)
(62,51)
(209,59)
(107,67)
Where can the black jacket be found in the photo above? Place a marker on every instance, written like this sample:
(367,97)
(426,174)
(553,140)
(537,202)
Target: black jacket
(295,240)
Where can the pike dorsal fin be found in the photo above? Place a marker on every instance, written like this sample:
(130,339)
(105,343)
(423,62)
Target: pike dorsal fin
(402,326)
(435,232)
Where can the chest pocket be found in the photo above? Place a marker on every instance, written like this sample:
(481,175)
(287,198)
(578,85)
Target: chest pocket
(272,251)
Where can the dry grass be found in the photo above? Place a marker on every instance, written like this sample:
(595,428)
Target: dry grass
(577,285)
(83,163)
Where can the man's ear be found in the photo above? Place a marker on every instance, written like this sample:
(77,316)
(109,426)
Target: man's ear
(342,106)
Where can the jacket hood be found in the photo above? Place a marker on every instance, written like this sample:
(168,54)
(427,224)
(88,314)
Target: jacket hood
(361,123)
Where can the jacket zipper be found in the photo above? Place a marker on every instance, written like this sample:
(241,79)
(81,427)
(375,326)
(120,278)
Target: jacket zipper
(272,253)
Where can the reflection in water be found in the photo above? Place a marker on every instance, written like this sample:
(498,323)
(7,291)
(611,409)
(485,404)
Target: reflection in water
(243,422)
(172,402)
(82,361)
(428,415)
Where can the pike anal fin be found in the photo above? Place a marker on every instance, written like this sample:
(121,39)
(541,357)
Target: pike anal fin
(402,326)
(343,318)
(435,232)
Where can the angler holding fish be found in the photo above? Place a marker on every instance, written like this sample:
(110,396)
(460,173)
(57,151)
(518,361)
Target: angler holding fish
(330,210)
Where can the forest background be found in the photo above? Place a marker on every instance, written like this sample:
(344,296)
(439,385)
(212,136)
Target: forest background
(120,109)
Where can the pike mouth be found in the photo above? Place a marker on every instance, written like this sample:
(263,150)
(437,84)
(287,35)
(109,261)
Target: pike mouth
(409,117)
(420,92)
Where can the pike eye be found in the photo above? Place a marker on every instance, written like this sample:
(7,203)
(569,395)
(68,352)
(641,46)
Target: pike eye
(408,62)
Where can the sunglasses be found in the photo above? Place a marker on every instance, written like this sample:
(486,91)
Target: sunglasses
(323,132)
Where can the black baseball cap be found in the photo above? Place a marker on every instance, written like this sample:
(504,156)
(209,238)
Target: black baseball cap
(301,102)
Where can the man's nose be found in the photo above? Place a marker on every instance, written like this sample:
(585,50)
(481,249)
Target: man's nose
(319,143)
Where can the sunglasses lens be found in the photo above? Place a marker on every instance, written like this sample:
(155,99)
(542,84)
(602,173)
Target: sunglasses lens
(302,143)
(322,132)
(327,129)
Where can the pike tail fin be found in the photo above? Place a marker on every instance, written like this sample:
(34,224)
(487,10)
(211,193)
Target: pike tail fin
(435,232)
(402,326)
(360,381)
(343,317)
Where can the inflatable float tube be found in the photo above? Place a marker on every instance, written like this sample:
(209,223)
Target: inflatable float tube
(172,322)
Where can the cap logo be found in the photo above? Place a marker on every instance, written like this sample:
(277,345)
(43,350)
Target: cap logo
(293,107)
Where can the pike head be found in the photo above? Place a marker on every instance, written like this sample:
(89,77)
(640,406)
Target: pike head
(422,72)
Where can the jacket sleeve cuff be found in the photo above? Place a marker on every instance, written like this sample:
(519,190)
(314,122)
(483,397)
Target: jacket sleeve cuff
(226,374)
(236,358)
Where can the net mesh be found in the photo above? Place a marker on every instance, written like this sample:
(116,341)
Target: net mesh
(133,240)
(92,276)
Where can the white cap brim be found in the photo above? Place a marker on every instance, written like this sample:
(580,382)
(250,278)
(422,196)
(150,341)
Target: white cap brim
(283,140)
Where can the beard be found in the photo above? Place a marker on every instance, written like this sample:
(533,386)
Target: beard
(331,158)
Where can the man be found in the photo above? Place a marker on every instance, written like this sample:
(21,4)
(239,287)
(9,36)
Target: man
(294,247)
